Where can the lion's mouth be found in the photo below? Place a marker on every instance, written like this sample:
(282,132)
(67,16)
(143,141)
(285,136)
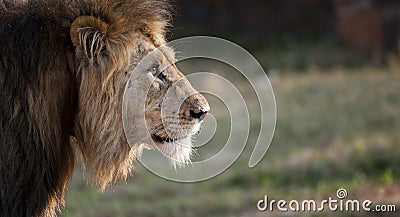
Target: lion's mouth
(161,139)
(177,150)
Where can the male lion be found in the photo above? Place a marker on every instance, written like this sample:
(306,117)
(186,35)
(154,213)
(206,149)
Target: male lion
(64,67)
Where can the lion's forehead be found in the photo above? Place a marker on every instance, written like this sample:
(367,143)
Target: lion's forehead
(161,52)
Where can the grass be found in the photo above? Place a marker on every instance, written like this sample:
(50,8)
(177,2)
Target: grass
(336,129)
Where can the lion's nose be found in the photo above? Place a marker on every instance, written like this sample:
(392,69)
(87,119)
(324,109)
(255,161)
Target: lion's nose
(200,114)
(199,107)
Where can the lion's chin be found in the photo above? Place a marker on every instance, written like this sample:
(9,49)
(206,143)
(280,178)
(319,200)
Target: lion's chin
(178,151)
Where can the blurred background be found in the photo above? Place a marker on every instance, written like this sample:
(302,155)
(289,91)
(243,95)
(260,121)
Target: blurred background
(335,70)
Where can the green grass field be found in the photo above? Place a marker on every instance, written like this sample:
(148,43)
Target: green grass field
(334,129)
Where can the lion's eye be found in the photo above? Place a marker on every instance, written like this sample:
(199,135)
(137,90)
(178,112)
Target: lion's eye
(155,71)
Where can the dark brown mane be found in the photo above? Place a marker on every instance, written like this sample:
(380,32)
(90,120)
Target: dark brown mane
(40,92)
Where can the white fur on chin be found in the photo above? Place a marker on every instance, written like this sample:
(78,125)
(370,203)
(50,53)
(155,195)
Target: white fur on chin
(178,152)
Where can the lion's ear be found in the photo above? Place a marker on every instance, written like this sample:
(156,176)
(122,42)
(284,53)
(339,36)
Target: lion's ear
(88,34)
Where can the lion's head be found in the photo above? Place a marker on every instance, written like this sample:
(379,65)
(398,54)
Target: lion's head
(117,52)
(161,107)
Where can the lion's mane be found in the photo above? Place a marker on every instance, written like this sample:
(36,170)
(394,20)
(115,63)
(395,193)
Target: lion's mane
(50,92)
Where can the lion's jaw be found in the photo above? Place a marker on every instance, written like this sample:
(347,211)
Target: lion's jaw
(171,132)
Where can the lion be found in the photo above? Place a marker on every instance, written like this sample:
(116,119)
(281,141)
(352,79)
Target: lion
(64,68)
